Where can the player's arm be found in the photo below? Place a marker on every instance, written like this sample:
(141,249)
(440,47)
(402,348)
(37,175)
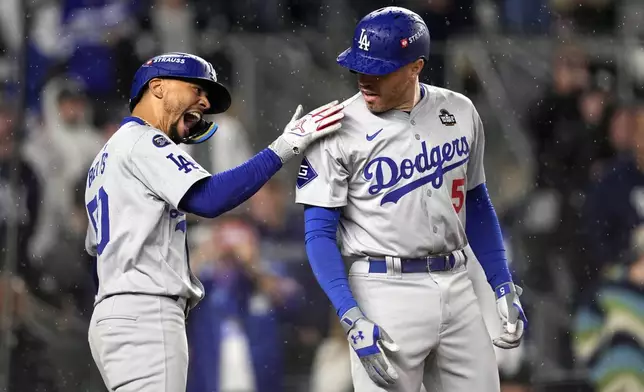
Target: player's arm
(172,175)
(218,193)
(322,187)
(212,196)
(486,240)
(485,237)
(320,226)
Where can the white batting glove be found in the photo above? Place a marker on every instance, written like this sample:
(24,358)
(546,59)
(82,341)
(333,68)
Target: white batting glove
(512,315)
(369,341)
(301,132)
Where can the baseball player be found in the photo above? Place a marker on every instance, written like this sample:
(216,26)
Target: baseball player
(403,184)
(139,188)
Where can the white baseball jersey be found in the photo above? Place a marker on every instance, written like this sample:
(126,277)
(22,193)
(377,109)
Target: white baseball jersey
(400,178)
(136,230)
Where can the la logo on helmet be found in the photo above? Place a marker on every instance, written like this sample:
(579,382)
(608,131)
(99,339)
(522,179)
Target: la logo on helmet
(364,41)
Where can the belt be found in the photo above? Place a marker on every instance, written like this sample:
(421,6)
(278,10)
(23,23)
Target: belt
(181,301)
(423,264)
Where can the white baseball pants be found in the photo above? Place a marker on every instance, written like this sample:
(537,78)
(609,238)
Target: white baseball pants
(139,343)
(436,320)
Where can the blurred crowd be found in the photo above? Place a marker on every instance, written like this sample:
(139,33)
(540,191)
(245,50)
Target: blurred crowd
(265,325)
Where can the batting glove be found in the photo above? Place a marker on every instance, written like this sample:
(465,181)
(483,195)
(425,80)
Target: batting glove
(512,315)
(369,341)
(301,132)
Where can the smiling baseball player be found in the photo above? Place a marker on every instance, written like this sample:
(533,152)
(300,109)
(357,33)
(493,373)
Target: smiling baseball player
(404,186)
(139,188)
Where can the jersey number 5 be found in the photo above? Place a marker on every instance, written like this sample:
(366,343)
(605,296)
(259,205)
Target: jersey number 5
(99,214)
(458,194)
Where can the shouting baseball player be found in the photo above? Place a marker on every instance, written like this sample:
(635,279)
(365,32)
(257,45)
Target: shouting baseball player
(139,188)
(403,181)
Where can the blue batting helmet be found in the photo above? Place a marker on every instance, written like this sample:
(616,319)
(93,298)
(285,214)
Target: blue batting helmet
(183,66)
(386,40)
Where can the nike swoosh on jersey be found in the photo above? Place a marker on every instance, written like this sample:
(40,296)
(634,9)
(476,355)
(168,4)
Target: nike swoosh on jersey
(371,137)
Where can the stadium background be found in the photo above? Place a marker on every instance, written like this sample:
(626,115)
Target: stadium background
(558,84)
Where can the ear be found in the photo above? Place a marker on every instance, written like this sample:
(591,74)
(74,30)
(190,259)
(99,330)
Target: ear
(156,87)
(417,66)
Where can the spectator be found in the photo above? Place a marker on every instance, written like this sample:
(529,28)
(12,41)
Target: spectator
(9,40)
(229,148)
(167,26)
(68,266)
(29,371)
(331,370)
(568,127)
(615,205)
(305,13)
(525,16)
(233,334)
(281,238)
(27,196)
(93,33)
(622,123)
(585,16)
(446,19)
(608,331)
(564,122)
(61,153)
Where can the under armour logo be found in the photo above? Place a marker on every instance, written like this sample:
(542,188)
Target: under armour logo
(364,41)
(355,338)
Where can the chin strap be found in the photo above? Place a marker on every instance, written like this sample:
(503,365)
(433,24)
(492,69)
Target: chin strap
(201,132)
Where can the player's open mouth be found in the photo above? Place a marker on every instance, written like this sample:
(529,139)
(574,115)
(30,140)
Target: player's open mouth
(368,93)
(369,96)
(192,118)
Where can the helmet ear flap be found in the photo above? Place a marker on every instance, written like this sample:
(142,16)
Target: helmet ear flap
(201,132)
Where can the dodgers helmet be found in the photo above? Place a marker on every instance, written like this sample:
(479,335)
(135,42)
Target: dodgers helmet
(386,40)
(188,67)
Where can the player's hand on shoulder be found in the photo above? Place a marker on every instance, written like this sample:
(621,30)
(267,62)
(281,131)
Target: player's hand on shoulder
(300,132)
(371,343)
(512,315)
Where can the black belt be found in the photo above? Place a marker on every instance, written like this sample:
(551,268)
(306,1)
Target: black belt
(423,264)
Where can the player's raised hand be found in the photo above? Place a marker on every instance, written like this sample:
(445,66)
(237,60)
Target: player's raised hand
(512,315)
(370,343)
(300,132)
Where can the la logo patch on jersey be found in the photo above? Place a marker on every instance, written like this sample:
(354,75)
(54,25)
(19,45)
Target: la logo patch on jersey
(160,141)
(447,118)
(306,174)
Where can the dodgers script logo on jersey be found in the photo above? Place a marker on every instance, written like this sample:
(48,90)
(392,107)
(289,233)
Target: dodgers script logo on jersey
(387,173)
